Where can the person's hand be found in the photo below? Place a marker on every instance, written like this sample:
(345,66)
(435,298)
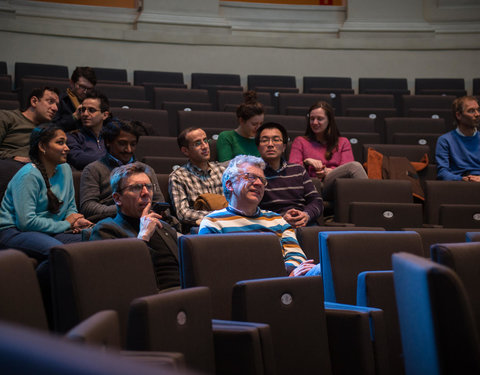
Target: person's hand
(80,224)
(296,218)
(303,268)
(149,222)
(22,159)
(471,178)
(315,163)
(77,115)
(73,217)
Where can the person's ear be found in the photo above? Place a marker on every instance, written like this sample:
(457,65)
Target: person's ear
(105,115)
(458,115)
(229,185)
(185,151)
(117,199)
(34,101)
(42,148)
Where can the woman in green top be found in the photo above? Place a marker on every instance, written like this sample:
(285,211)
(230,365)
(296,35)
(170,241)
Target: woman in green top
(241,141)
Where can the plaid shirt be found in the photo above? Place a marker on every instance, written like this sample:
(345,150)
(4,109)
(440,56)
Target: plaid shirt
(187,183)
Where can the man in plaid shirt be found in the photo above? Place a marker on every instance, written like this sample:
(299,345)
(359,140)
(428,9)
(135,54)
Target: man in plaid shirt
(198,176)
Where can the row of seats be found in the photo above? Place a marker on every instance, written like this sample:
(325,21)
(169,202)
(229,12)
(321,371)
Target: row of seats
(429,86)
(357,329)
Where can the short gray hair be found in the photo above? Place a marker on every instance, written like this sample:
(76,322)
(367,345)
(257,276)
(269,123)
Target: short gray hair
(233,170)
(120,174)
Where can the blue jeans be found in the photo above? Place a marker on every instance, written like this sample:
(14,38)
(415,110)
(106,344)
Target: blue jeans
(315,271)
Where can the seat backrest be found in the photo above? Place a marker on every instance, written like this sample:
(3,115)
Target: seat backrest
(432,236)
(293,307)
(366,101)
(441,193)
(413,125)
(3,67)
(164,164)
(235,98)
(260,80)
(157,118)
(437,328)
(157,146)
(427,101)
(88,277)
(113,91)
(355,124)
(348,190)
(176,321)
(206,119)
(310,83)
(365,84)
(111,74)
(294,123)
(200,79)
(39,70)
(28,84)
(422,84)
(20,296)
(345,254)
(411,152)
(142,76)
(286,100)
(167,94)
(308,237)
(220,260)
(464,259)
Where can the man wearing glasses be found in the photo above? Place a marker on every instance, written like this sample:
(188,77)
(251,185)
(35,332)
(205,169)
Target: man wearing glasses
(86,144)
(83,81)
(197,177)
(290,191)
(133,193)
(244,185)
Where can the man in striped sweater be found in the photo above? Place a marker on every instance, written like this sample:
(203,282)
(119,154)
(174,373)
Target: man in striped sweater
(290,191)
(243,186)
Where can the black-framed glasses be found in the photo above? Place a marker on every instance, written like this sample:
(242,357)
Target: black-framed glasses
(251,178)
(90,110)
(274,140)
(138,188)
(84,88)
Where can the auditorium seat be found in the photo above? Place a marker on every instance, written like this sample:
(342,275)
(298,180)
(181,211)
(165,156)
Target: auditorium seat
(440,86)
(34,70)
(433,235)
(377,107)
(157,146)
(476,87)
(333,86)
(376,203)
(433,106)
(110,75)
(230,100)
(357,140)
(439,334)
(452,204)
(3,68)
(291,123)
(213,82)
(6,92)
(28,84)
(273,81)
(355,124)
(9,104)
(161,79)
(155,119)
(294,101)
(395,86)
(206,120)
(164,164)
(125,95)
(417,125)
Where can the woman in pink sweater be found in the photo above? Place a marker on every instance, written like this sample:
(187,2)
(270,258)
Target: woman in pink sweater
(323,152)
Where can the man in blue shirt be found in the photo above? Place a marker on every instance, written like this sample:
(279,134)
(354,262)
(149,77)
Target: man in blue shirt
(458,151)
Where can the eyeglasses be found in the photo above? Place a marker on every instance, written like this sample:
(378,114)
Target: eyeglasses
(138,188)
(274,140)
(84,88)
(251,178)
(90,110)
(200,142)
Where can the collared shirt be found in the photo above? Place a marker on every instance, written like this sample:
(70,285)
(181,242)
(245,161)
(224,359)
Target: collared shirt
(187,183)
(291,187)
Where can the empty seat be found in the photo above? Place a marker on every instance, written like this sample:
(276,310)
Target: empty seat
(439,334)
(113,91)
(34,70)
(412,152)
(28,84)
(431,236)
(434,106)
(6,92)
(9,104)
(207,79)
(242,256)
(355,124)
(275,81)
(357,140)
(406,125)
(452,204)
(230,100)
(155,119)
(206,120)
(291,123)
(476,87)
(288,102)
(157,146)
(383,86)
(376,203)
(440,86)
(333,86)
(164,164)
(3,67)
(308,237)
(344,255)
(161,79)
(110,75)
